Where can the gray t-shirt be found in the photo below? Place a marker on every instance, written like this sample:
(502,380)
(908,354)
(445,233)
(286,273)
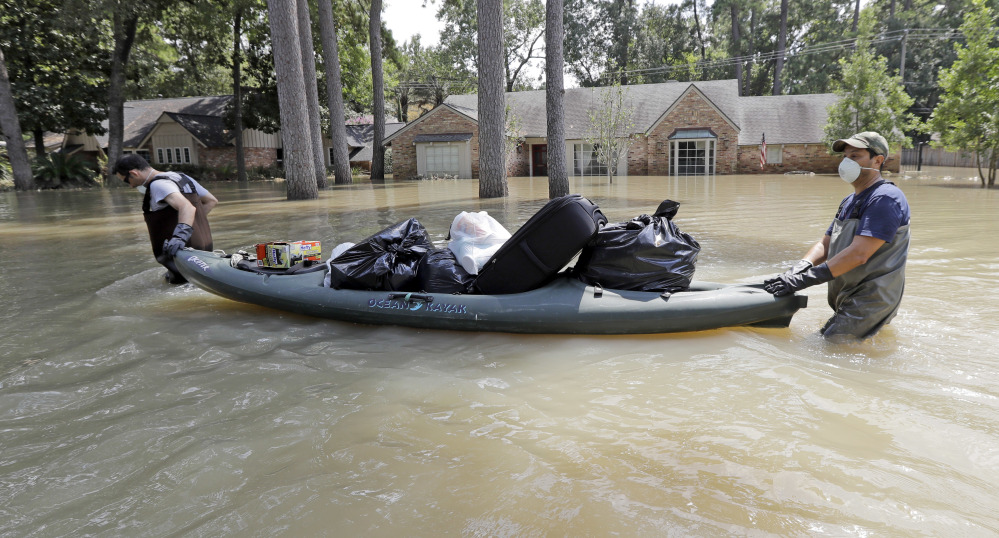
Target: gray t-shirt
(159,190)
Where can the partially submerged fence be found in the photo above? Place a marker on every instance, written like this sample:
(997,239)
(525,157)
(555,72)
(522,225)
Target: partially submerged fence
(924,155)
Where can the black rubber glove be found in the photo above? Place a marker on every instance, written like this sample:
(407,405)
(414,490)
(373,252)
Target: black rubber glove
(181,235)
(789,283)
(799,267)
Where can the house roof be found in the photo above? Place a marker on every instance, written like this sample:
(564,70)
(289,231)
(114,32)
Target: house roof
(209,130)
(447,137)
(52,141)
(141,115)
(785,119)
(363,135)
(360,138)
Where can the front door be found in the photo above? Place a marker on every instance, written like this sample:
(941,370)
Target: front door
(539,159)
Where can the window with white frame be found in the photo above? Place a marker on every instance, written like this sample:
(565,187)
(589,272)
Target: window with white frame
(187,155)
(692,157)
(585,162)
(159,156)
(442,159)
(144,153)
(775,154)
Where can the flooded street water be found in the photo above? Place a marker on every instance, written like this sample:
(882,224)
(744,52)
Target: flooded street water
(131,407)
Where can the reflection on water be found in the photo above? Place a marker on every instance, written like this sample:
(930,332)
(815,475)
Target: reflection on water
(131,407)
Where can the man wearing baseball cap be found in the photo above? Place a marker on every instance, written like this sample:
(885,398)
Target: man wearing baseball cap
(863,253)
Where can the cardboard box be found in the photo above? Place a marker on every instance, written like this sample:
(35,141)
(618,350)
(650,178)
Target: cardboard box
(284,254)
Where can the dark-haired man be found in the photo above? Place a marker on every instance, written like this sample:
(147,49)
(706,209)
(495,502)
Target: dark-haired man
(864,251)
(175,208)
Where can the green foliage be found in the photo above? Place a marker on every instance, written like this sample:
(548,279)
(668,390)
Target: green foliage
(523,38)
(257,173)
(57,72)
(967,117)
(870,99)
(6,174)
(58,170)
(665,37)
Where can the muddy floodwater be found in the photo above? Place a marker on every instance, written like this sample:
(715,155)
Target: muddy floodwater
(129,407)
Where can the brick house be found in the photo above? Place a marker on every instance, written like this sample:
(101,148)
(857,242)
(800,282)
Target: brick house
(680,128)
(191,130)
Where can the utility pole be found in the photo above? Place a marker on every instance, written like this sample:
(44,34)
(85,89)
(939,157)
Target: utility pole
(901,67)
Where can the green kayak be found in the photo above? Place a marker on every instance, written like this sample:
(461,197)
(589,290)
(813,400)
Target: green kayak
(565,306)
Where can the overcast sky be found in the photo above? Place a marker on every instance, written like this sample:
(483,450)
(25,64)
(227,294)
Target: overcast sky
(407,17)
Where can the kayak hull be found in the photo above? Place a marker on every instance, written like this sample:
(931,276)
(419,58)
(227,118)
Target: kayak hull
(566,306)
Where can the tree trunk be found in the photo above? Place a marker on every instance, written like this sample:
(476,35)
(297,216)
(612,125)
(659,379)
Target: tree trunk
(124,36)
(404,106)
(856,17)
(10,125)
(334,94)
(736,45)
(39,136)
(621,37)
(697,25)
(299,165)
(978,162)
(311,90)
(492,102)
(558,179)
(237,94)
(752,51)
(378,88)
(781,45)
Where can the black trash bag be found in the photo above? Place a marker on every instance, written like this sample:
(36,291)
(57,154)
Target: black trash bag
(648,253)
(388,260)
(440,272)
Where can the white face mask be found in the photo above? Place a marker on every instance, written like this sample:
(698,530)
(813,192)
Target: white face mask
(142,188)
(849,170)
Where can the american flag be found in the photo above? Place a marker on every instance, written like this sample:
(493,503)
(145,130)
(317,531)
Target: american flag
(763,150)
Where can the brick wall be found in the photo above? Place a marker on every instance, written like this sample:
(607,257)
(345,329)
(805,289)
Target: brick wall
(442,121)
(808,157)
(219,157)
(638,156)
(518,164)
(692,111)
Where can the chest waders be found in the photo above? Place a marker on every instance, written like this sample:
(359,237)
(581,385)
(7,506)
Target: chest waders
(161,223)
(867,297)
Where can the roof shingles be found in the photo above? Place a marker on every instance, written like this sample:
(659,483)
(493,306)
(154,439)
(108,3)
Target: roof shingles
(785,119)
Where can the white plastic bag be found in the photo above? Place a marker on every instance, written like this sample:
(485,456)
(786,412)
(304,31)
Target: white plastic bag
(475,237)
(337,250)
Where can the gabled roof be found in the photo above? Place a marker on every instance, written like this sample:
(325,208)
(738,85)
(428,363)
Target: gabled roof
(209,130)
(692,88)
(141,115)
(363,135)
(785,118)
(649,101)
(470,113)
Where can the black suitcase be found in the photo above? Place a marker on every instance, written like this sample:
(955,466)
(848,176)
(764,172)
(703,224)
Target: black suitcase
(541,247)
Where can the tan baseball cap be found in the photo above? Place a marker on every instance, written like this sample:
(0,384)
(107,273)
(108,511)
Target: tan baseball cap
(867,140)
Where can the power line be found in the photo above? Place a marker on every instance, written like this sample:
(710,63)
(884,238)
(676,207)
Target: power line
(833,46)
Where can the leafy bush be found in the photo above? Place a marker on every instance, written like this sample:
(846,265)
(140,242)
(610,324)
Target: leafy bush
(264,172)
(6,174)
(57,170)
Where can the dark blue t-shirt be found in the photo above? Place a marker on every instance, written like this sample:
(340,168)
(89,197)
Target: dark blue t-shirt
(880,209)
